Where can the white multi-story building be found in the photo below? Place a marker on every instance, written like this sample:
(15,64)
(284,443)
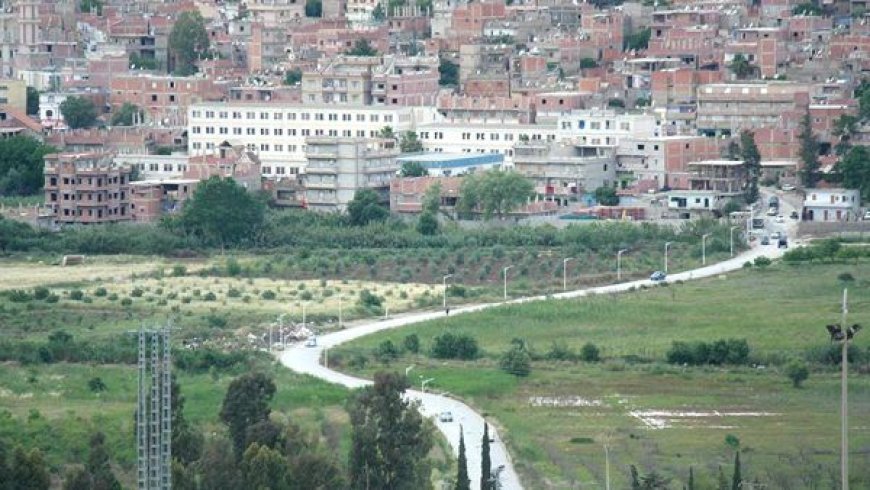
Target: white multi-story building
(277,132)
(154,167)
(605,127)
(453,137)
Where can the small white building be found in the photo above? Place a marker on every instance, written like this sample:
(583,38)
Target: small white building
(830,205)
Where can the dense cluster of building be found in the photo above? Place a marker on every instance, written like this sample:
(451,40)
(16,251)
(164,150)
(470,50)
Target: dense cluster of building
(309,100)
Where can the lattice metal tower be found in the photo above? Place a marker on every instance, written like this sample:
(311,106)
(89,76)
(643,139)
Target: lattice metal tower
(154,411)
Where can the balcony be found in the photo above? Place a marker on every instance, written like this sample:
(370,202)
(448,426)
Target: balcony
(319,168)
(321,185)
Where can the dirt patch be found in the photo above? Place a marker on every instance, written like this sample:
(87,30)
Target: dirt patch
(664,419)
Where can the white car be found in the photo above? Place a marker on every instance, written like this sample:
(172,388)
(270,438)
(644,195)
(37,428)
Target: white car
(445,417)
(311,342)
(771,212)
(775,235)
(788,187)
(780,219)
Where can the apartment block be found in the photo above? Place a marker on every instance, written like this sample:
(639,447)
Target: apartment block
(726,108)
(13,94)
(339,167)
(832,205)
(276,13)
(606,128)
(267,47)
(85,188)
(563,172)
(407,193)
(661,161)
(277,132)
(150,200)
(164,98)
(480,138)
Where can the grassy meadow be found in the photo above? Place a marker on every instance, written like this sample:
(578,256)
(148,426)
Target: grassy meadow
(655,415)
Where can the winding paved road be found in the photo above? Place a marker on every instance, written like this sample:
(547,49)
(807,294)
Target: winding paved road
(307,360)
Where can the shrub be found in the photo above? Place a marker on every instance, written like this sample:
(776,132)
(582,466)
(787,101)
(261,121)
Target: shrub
(19,296)
(126,302)
(386,352)
(369,300)
(454,346)
(97,385)
(234,293)
(797,371)
(137,293)
(268,294)
(179,270)
(216,321)
(843,276)
(730,351)
(560,352)
(76,295)
(590,353)
(209,296)
(411,343)
(306,296)
(516,361)
(52,298)
(358,361)
(233,267)
(40,293)
(456,291)
(100,292)
(762,262)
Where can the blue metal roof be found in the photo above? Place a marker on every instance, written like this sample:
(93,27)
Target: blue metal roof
(447,160)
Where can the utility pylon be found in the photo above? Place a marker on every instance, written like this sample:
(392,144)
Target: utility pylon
(154,410)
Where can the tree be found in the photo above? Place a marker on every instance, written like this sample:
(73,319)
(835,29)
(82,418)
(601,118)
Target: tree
(854,169)
(99,466)
(5,471)
(516,361)
(32,101)
(432,198)
(142,62)
(76,479)
(740,66)
(411,343)
(222,212)
(378,14)
(462,481)
(845,127)
(752,159)
(217,467)
(427,224)
(387,133)
(28,470)
(413,169)
(449,73)
(606,196)
(245,404)
(91,6)
(128,115)
(494,192)
(22,165)
(722,481)
(183,477)
(410,143)
(188,41)
(809,153)
(389,440)
(807,8)
(691,485)
(78,112)
(797,372)
(313,8)
(737,479)
(638,40)
(635,478)
(485,461)
(313,469)
(293,76)
(362,47)
(264,468)
(366,208)
(586,63)
(616,103)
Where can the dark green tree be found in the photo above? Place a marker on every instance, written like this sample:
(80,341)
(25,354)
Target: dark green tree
(316,470)
(807,8)
(635,478)
(389,440)
(187,442)
(410,143)
(462,481)
(99,465)
(691,485)
(494,192)
(293,76)
(378,14)
(264,468)
(32,101)
(183,477)
(854,170)
(413,169)
(485,461)
(127,115)
(313,8)
(366,208)
(76,478)
(737,478)
(188,42)
(797,372)
(740,66)
(752,159)
(427,224)
(432,199)
(362,47)
(28,470)
(449,73)
(22,164)
(516,361)
(78,112)
(588,63)
(606,196)
(91,6)
(218,469)
(142,62)
(809,153)
(245,404)
(845,128)
(638,40)
(222,212)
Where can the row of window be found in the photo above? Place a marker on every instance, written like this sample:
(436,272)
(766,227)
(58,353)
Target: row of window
(167,167)
(90,197)
(596,125)
(346,133)
(52,181)
(291,116)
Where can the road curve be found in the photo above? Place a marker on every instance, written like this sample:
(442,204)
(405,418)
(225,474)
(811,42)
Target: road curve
(307,360)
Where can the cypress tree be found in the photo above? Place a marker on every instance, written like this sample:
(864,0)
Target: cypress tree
(737,479)
(635,478)
(723,481)
(485,463)
(691,479)
(462,481)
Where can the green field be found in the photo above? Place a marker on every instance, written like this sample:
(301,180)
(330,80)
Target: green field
(660,416)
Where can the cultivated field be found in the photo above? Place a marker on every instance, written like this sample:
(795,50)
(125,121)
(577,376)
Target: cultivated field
(655,415)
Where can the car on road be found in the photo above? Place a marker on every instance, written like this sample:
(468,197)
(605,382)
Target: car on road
(783,242)
(775,235)
(779,219)
(772,212)
(795,215)
(765,240)
(867,216)
(311,342)
(788,187)
(658,276)
(445,417)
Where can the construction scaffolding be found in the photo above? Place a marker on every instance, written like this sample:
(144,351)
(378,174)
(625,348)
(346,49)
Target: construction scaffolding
(154,411)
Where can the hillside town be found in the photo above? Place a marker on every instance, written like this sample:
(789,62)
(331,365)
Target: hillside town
(313,101)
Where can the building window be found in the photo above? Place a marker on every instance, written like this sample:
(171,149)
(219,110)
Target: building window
(306,116)
(264,115)
(291,116)
(267,170)
(279,147)
(223,130)
(264,147)
(251,131)
(279,116)
(318,116)
(264,131)
(333,117)
(237,131)
(278,132)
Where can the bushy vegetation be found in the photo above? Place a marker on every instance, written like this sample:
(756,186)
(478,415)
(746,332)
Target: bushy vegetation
(730,351)
(454,346)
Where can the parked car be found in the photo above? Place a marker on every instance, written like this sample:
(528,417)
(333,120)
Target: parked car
(775,235)
(658,276)
(783,242)
(788,187)
(765,240)
(772,212)
(311,342)
(795,215)
(445,417)
(780,219)
(867,216)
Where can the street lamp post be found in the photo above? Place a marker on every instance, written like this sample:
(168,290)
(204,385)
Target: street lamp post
(565,272)
(424,383)
(732,239)
(619,263)
(339,311)
(844,397)
(281,329)
(704,248)
(448,276)
(504,273)
(303,315)
(667,246)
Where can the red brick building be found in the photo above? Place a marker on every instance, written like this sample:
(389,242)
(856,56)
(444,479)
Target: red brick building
(86,188)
